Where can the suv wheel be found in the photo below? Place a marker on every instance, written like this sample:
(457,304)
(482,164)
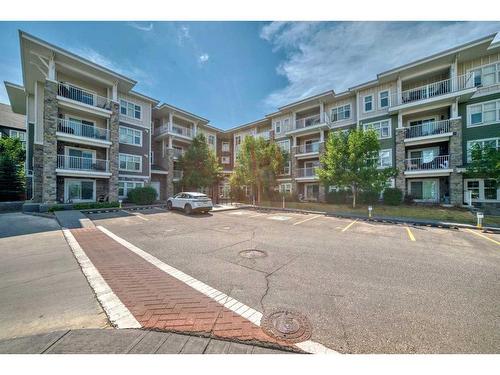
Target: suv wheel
(188,209)
(169,205)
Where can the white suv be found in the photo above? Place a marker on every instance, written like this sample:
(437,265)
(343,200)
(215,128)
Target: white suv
(190,202)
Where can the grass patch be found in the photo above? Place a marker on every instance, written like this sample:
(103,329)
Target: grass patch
(456,215)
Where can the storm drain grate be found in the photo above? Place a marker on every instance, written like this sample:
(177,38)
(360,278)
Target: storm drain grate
(253,253)
(286,325)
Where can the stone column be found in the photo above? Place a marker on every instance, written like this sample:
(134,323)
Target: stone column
(456,160)
(37,173)
(170,176)
(322,188)
(114,150)
(400,160)
(294,165)
(49,157)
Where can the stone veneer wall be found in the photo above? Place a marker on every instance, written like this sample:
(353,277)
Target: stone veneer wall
(37,173)
(456,160)
(49,181)
(400,160)
(322,193)
(170,177)
(114,126)
(293,173)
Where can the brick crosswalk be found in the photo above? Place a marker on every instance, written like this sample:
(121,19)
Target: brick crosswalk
(158,300)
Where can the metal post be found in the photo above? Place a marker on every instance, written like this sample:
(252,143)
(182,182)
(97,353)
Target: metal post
(370,208)
(480,217)
(283,201)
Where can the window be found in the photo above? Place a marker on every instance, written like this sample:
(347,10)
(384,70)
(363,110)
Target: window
(490,189)
(483,113)
(285,188)
(225,160)
(483,143)
(487,75)
(211,139)
(383,128)
(284,145)
(385,158)
(130,136)
(286,124)
(130,109)
(481,190)
(18,134)
(368,103)
(424,190)
(341,113)
(125,186)
(79,190)
(383,97)
(225,146)
(131,163)
(237,140)
(277,126)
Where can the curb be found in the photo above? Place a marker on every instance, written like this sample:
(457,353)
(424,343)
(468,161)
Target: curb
(381,219)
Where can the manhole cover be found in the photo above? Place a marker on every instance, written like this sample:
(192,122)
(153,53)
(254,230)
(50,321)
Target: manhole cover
(286,325)
(253,253)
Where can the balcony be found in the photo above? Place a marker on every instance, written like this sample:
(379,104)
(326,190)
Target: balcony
(174,129)
(265,134)
(439,165)
(435,131)
(72,131)
(308,173)
(71,95)
(445,89)
(307,149)
(177,175)
(177,153)
(307,122)
(82,166)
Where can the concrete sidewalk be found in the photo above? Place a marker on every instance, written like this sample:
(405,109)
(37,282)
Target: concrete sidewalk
(125,341)
(72,219)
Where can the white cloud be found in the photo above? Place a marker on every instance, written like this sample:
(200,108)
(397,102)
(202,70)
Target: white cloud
(141,27)
(338,55)
(204,58)
(183,34)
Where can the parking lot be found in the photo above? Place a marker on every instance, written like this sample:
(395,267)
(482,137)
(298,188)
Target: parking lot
(365,287)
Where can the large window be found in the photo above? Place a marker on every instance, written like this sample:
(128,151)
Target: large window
(125,186)
(483,143)
(211,139)
(341,113)
(284,145)
(383,99)
(385,158)
(130,136)
(18,134)
(79,190)
(368,103)
(483,113)
(225,146)
(487,75)
(481,190)
(383,128)
(130,109)
(131,163)
(424,190)
(285,188)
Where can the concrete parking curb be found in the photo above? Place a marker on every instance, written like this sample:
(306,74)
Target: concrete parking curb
(383,219)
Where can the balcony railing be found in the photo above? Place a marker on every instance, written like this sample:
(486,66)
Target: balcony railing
(82,130)
(424,164)
(82,164)
(174,129)
(78,94)
(264,134)
(307,121)
(177,174)
(434,89)
(428,128)
(307,148)
(307,172)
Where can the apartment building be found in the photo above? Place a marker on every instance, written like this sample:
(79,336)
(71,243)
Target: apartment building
(12,124)
(94,138)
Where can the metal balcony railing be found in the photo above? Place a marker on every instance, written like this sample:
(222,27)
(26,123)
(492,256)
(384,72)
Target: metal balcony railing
(78,94)
(82,164)
(82,130)
(307,172)
(434,89)
(307,148)
(428,128)
(174,129)
(424,164)
(307,121)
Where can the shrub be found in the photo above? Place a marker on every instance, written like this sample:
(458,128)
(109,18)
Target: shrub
(341,196)
(369,197)
(142,195)
(408,199)
(393,196)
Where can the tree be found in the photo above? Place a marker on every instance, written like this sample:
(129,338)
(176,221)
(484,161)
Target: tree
(11,169)
(257,165)
(199,164)
(350,162)
(485,163)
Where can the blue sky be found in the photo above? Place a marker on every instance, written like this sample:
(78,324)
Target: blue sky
(236,72)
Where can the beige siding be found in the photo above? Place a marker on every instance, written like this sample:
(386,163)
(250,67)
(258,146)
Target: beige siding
(476,63)
(375,92)
(145,120)
(340,103)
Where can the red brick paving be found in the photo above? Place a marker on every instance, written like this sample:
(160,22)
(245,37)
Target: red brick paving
(158,300)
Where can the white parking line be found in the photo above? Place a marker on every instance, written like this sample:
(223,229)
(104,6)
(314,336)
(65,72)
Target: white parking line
(279,218)
(239,308)
(310,218)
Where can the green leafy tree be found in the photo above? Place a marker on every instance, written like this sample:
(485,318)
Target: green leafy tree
(12,173)
(258,164)
(199,164)
(485,163)
(350,162)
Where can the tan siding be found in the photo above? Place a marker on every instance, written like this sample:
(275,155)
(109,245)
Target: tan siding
(374,91)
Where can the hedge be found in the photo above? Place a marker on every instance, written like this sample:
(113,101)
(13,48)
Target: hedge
(142,195)
(393,196)
(84,206)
